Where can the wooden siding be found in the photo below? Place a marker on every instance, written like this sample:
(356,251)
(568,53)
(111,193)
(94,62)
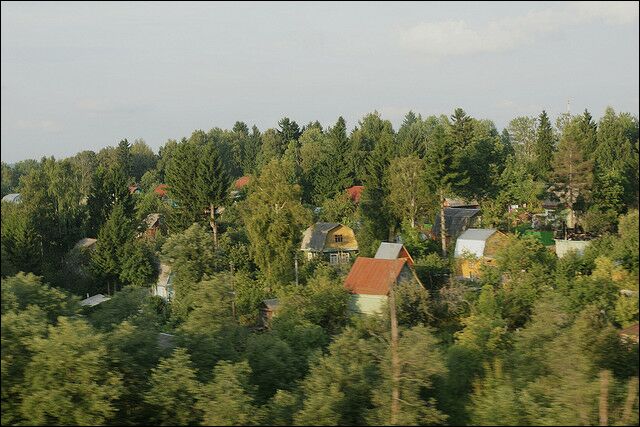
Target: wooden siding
(494,243)
(348,243)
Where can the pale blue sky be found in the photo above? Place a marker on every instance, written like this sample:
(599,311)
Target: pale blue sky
(83,76)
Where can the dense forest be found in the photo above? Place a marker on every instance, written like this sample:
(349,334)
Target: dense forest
(533,339)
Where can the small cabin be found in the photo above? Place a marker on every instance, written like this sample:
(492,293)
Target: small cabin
(164,287)
(268,308)
(476,247)
(332,241)
(370,281)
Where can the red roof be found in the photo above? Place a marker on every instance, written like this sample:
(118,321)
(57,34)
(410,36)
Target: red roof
(632,330)
(161,190)
(355,192)
(133,188)
(373,276)
(241,182)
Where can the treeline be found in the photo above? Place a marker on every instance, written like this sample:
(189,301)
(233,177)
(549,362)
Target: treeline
(533,341)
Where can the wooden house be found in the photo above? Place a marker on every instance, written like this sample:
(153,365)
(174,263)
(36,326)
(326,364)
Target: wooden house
(268,309)
(476,247)
(332,241)
(355,193)
(456,221)
(371,279)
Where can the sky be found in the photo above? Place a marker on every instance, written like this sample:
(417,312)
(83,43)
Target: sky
(82,76)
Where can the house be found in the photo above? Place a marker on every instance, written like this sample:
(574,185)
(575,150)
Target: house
(355,193)
(565,246)
(330,240)
(12,198)
(268,309)
(241,182)
(476,247)
(134,189)
(152,223)
(164,287)
(370,281)
(86,243)
(460,203)
(94,300)
(161,190)
(456,221)
(388,250)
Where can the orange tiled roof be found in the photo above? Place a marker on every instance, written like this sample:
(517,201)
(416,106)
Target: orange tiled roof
(372,276)
(355,192)
(161,190)
(241,182)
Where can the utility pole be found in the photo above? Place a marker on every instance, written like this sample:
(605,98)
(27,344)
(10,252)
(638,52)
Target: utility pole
(295,263)
(395,358)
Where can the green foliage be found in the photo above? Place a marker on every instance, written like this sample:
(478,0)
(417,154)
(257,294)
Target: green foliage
(174,391)
(23,290)
(67,380)
(274,218)
(227,398)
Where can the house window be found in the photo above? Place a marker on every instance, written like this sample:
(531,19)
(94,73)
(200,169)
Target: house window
(333,258)
(344,257)
(338,238)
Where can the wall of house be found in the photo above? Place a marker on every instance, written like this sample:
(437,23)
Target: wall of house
(367,304)
(348,243)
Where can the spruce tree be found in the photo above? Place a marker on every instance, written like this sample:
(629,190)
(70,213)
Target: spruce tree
(544,146)
(211,185)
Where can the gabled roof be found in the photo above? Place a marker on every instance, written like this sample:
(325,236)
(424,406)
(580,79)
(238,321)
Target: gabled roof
(460,203)
(371,276)
(388,250)
(152,219)
(473,241)
(94,300)
(241,182)
(271,304)
(165,278)
(355,192)
(455,220)
(315,236)
(161,190)
(12,198)
(632,330)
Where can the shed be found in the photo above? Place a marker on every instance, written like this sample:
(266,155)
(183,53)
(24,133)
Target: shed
(164,287)
(563,247)
(94,300)
(478,243)
(267,310)
(388,250)
(370,281)
(161,190)
(86,243)
(12,198)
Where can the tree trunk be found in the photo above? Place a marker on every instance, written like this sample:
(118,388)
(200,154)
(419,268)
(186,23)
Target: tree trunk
(632,392)
(214,226)
(443,230)
(395,359)
(604,398)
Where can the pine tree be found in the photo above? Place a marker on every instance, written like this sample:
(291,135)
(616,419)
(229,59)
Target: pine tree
(544,146)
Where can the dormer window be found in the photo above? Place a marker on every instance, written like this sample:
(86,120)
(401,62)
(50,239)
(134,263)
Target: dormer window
(338,238)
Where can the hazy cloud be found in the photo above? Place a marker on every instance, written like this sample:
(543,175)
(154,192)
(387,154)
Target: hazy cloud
(457,37)
(51,126)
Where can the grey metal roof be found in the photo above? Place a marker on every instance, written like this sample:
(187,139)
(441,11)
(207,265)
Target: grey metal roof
(94,300)
(315,236)
(480,234)
(456,220)
(86,242)
(388,250)
(12,198)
